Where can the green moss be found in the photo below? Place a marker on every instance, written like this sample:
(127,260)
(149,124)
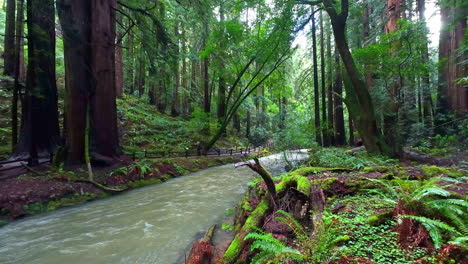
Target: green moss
(359,184)
(36,208)
(315,170)
(341,239)
(234,249)
(381,169)
(257,215)
(379,218)
(251,223)
(2,223)
(141,183)
(324,184)
(301,182)
(432,171)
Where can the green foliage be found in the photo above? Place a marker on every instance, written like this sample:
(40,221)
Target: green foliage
(225,226)
(434,227)
(339,158)
(377,243)
(271,250)
(431,201)
(141,167)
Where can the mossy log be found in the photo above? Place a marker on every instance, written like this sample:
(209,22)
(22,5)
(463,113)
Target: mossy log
(301,183)
(238,243)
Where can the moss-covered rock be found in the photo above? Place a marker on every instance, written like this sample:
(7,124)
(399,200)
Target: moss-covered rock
(2,223)
(432,171)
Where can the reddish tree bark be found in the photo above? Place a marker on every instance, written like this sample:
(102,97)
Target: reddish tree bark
(453,95)
(89,35)
(318,133)
(9,56)
(325,132)
(40,126)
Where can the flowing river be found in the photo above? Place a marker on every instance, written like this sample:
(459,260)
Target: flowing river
(154,224)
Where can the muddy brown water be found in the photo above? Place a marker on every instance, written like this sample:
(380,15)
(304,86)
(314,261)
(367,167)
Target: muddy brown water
(154,224)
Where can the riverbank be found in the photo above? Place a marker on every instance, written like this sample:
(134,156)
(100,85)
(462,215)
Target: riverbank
(349,215)
(31,194)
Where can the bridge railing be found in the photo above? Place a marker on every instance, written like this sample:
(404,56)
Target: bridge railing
(165,154)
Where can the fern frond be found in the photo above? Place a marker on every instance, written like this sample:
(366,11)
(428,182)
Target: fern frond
(429,191)
(297,228)
(460,241)
(434,227)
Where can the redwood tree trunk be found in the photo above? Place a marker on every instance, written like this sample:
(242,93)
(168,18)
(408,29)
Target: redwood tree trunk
(75,18)
(426,102)
(9,56)
(175,91)
(89,34)
(453,95)
(330,94)
(40,126)
(105,137)
(318,134)
(325,132)
(19,73)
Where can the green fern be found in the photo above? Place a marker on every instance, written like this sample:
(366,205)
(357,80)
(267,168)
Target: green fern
(434,227)
(460,241)
(296,227)
(430,199)
(271,249)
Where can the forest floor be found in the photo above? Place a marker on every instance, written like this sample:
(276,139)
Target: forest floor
(343,215)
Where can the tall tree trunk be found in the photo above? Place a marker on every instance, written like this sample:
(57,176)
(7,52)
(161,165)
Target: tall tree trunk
(89,34)
(364,113)
(175,91)
(318,133)
(130,63)
(340,134)
(40,125)
(366,35)
(453,95)
(325,132)
(425,90)
(330,95)
(186,100)
(391,115)
(9,56)
(105,138)
(19,72)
